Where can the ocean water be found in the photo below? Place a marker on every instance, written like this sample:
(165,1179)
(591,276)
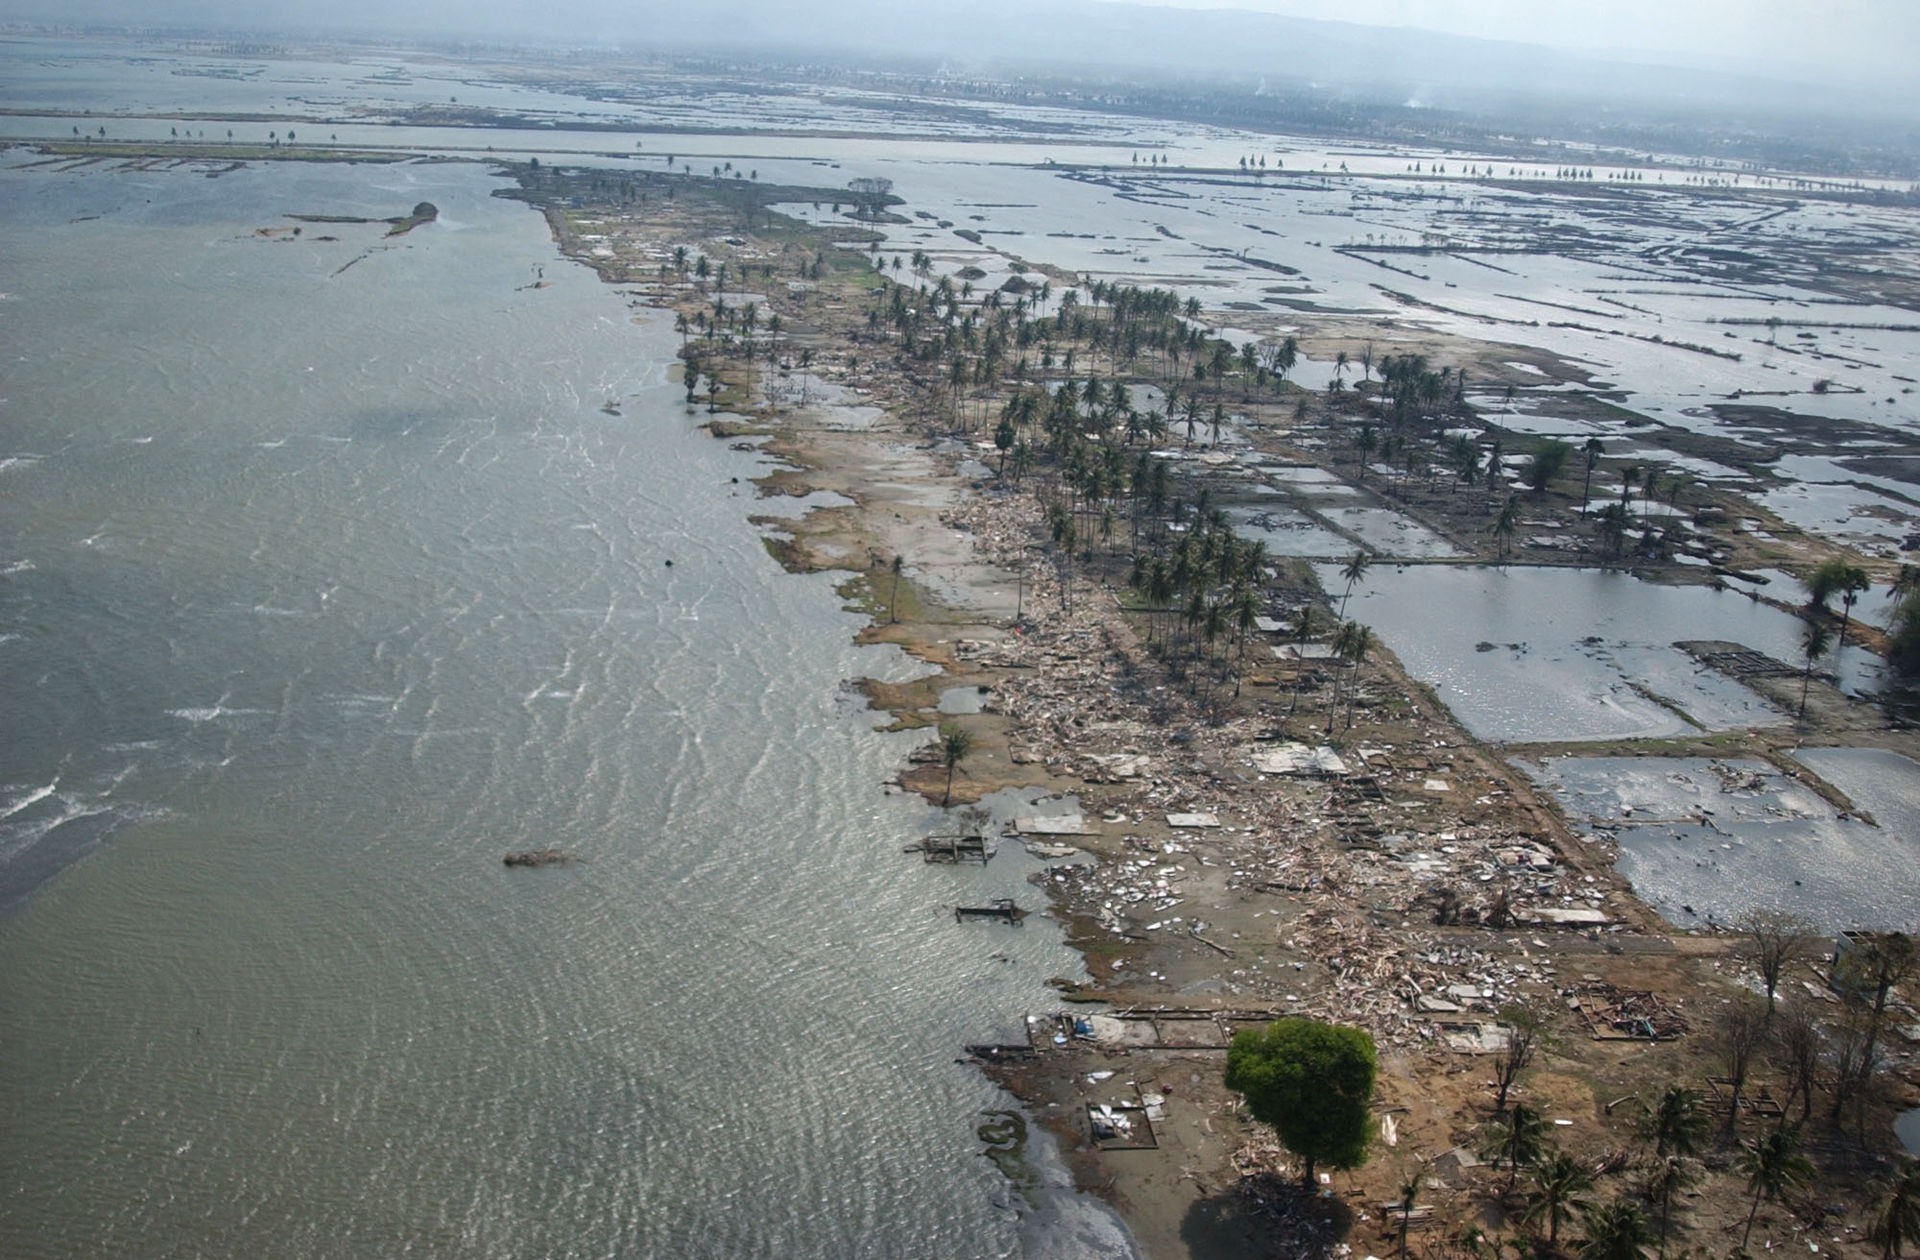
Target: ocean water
(326,579)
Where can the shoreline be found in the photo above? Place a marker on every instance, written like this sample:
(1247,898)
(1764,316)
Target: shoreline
(1304,893)
(1291,901)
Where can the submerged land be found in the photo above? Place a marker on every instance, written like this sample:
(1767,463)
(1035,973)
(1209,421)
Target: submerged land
(1134,544)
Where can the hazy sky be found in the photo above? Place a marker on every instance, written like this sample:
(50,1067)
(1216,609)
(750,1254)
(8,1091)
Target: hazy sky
(1842,42)
(1819,36)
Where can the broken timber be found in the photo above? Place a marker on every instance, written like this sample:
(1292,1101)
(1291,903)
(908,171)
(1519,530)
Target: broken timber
(952,849)
(1614,1014)
(1001,909)
(1736,659)
(539,857)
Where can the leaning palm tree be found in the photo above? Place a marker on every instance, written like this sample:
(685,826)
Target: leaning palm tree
(1558,1182)
(1774,1165)
(1896,1217)
(1617,1231)
(955,744)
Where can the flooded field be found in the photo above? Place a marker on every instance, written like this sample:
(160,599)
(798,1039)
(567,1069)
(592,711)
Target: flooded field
(1529,654)
(1706,840)
(1623,277)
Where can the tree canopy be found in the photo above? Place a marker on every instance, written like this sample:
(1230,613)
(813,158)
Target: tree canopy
(871,194)
(1549,461)
(1313,1083)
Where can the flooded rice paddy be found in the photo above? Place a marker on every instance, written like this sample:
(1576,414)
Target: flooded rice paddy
(1704,840)
(1546,654)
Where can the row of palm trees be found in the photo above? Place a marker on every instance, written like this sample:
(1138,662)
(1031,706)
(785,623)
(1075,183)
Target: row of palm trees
(1676,1131)
(1087,446)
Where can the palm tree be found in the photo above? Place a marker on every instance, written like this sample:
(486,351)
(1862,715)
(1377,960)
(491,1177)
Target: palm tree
(1612,528)
(1774,1165)
(1669,1176)
(1676,1125)
(1617,1231)
(1409,1191)
(1364,441)
(1628,480)
(1558,1183)
(955,744)
(1359,642)
(1303,628)
(893,597)
(1161,586)
(1505,525)
(1593,451)
(1353,571)
(1814,641)
(1848,581)
(1519,1139)
(1896,1218)
(1246,611)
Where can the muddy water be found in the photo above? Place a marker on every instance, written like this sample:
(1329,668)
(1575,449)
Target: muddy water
(323,589)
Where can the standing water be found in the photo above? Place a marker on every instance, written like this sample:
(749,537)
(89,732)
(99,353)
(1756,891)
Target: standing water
(327,580)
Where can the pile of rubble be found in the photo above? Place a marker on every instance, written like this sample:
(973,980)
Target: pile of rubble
(1376,856)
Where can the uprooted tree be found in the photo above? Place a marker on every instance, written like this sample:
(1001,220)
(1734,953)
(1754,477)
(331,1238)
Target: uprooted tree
(1313,1083)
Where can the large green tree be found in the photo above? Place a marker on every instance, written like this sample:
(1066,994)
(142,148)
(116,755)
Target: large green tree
(1313,1083)
(1550,459)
